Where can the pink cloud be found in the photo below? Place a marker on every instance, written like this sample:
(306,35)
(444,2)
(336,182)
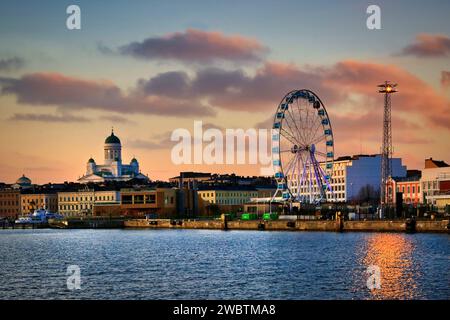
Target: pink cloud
(428,45)
(70,93)
(445,79)
(196,46)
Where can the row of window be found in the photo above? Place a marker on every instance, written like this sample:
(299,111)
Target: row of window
(86,198)
(46,200)
(9,203)
(430,185)
(231,201)
(229,194)
(9,195)
(9,210)
(408,189)
(75,207)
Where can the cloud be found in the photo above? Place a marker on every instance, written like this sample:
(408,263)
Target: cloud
(196,46)
(70,93)
(345,86)
(47,118)
(102,48)
(115,119)
(147,144)
(445,79)
(428,45)
(351,84)
(11,64)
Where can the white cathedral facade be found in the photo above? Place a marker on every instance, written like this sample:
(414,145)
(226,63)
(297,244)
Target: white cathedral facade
(112,169)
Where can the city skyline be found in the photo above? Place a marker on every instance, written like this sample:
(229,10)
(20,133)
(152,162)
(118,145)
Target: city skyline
(133,68)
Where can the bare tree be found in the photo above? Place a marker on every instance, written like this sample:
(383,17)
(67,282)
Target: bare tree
(368,194)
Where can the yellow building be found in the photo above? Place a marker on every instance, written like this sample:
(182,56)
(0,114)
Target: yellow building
(33,201)
(82,202)
(226,197)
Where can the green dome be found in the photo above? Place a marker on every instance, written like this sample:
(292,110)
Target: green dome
(133,160)
(91,160)
(112,139)
(23,180)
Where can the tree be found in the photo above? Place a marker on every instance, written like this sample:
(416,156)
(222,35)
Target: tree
(368,194)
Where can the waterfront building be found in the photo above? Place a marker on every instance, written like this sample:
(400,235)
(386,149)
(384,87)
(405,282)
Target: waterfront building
(9,203)
(82,202)
(157,202)
(353,175)
(113,169)
(435,181)
(224,196)
(408,186)
(33,201)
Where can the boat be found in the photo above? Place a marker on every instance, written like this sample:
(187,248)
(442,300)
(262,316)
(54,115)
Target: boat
(37,217)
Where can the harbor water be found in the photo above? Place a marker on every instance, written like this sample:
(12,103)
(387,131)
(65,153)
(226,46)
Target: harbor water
(214,264)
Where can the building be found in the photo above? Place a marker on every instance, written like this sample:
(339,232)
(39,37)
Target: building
(9,203)
(158,202)
(408,186)
(113,169)
(189,177)
(33,201)
(22,183)
(435,181)
(223,199)
(82,202)
(355,178)
(261,207)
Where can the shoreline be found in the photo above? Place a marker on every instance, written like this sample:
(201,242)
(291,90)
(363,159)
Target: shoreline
(400,226)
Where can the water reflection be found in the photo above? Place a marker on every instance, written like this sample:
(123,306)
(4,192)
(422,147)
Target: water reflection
(393,254)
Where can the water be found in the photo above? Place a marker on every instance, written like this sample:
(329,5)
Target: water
(201,264)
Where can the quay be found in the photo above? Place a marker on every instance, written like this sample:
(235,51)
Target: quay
(338,225)
(410,226)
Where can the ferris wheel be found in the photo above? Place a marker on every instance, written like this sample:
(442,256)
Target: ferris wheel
(302,149)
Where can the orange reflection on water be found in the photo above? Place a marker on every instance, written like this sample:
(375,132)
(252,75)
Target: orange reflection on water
(392,253)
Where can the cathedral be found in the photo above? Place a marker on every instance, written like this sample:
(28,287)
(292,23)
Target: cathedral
(112,169)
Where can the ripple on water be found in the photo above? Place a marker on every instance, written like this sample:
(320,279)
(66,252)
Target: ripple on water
(203,264)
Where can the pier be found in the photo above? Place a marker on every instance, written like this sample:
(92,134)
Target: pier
(437,226)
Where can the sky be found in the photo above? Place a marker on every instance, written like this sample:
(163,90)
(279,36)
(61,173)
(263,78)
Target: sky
(147,68)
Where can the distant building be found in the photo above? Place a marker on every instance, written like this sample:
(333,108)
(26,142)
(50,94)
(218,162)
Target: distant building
(158,202)
(22,183)
(353,174)
(82,202)
(435,182)
(408,186)
(113,169)
(9,203)
(33,201)
(189,177)
(227,196)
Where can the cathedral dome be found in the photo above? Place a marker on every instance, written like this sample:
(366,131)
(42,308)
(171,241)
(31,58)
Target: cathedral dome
(112,138)
(23,181)
(134,160)
(91,160)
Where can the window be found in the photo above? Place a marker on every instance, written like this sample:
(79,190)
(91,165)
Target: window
(127,199)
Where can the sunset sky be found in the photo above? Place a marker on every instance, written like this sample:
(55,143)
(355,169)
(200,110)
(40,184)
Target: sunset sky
(149,67)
